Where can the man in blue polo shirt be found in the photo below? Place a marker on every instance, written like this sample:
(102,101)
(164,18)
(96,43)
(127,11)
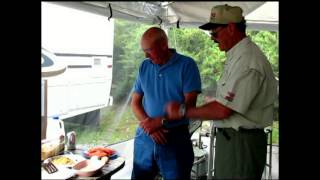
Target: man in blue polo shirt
(163,76)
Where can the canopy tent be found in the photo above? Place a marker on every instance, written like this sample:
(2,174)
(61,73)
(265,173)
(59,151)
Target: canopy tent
(259,15)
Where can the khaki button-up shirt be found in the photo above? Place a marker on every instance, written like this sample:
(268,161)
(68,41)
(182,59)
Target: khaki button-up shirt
(247,86)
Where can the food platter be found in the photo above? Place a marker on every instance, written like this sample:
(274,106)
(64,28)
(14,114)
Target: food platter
(100,151)
(67,160)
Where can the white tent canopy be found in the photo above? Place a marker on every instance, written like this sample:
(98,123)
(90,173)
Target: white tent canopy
(259,15)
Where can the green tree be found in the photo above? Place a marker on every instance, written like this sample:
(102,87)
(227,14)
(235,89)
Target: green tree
(197,44)
(268,42)
(127,57)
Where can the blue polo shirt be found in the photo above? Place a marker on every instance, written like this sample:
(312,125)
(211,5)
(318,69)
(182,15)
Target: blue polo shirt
(169,82)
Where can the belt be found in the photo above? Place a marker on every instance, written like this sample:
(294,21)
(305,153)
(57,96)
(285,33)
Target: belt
(241,130)
(178,128)
(251,130)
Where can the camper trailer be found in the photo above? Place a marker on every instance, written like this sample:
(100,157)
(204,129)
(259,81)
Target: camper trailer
(83,43)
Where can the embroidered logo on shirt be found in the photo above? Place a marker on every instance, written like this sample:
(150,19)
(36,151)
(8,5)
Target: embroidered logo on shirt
(230,96)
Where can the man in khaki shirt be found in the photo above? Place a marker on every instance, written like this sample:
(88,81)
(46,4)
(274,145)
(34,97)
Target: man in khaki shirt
(244,100)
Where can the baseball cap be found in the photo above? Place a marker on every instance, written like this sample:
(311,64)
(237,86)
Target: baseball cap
(223,14)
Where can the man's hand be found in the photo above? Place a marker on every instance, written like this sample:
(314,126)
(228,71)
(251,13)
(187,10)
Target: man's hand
(150,125)
(159,136)
(173,111)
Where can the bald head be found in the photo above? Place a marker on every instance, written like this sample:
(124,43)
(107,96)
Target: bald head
(154,43)
(154,34)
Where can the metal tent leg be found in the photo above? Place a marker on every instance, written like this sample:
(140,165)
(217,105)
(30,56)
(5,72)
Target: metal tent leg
(269,161)
(211,151)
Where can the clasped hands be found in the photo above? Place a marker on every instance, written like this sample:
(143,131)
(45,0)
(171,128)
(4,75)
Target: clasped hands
(153,126)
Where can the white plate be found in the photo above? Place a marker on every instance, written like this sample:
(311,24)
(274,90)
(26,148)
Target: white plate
(62,173)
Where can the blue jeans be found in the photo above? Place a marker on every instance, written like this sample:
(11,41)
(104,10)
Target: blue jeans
(174,160)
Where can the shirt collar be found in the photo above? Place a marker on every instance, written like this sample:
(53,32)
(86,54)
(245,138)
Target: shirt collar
(238,47)
(172,59)
(174,56)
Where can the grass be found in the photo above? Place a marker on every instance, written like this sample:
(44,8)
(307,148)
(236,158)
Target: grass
(275,133)
(122,127)
(113,128)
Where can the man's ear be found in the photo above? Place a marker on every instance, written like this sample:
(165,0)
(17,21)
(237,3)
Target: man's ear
(231,28)
(163,45)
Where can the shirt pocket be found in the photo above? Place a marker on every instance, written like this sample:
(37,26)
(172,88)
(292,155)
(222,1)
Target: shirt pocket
(223,80)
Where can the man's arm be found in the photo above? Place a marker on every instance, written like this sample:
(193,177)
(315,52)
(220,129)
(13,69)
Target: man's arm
(153,126)
(210,111)
(149,124)
(190,99)
(137,108)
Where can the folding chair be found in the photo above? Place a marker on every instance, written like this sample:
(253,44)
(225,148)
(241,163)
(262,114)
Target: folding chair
(199,169)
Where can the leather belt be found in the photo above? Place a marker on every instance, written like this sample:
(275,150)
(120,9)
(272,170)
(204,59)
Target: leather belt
(241,130)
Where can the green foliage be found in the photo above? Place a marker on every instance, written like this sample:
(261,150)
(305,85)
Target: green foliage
(127,57)
(197,44)
(275,132)
(269,44)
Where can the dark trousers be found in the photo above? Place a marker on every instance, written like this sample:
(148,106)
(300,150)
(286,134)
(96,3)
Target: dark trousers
(240,154)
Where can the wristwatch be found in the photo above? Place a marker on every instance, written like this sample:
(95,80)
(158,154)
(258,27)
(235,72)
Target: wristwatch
(163,121)
(182,110)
